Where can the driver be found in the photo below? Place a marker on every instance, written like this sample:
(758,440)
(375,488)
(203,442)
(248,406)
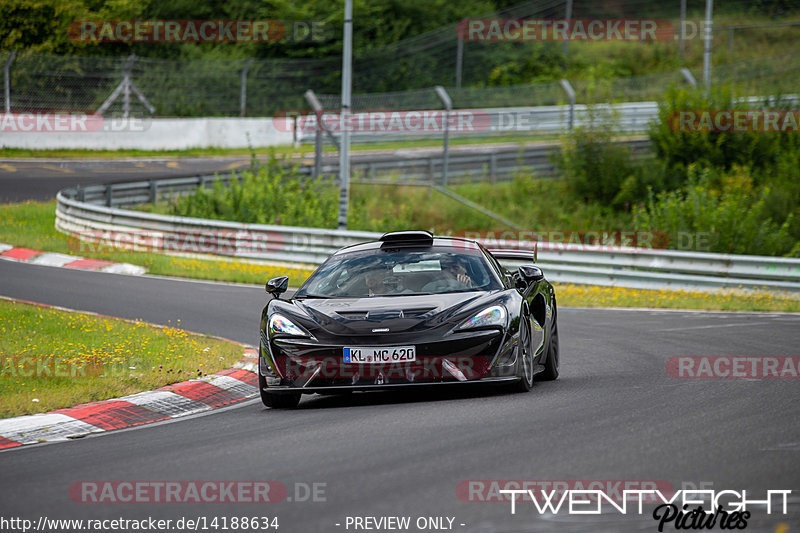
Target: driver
(381,279)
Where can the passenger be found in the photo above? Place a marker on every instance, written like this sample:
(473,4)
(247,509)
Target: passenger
(454,277)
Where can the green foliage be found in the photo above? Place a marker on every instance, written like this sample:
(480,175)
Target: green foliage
(542,205)
(679,149)
(782,201)
(274,193)
(598,169)
(717,211)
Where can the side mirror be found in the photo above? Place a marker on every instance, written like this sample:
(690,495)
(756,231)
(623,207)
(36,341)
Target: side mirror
(277,286)
(530,273)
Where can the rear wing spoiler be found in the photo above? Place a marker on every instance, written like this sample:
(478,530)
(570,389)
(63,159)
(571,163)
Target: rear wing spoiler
(515,255)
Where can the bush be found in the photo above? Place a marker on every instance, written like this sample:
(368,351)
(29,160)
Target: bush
(717,211)
(679,149)
(598,169)
(274,193)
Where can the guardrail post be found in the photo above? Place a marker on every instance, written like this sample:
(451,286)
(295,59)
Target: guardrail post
(313,101)
(81,194)
(109,194)
(492,167)
(243,95)
(317,151)
(448,105)
(7,80)
(568,17)
(153,191)
(571,94)
(459,58)
(707,46)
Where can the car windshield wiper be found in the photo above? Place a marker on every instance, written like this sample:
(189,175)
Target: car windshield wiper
(317,296)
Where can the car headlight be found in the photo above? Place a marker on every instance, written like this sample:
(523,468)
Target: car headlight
(492,316)
(281,324)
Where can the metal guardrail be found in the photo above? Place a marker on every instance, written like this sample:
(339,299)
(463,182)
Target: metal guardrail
(475,165)
(629,117)
(611,266)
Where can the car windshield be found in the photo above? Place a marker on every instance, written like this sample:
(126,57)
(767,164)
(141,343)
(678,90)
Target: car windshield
(400,272)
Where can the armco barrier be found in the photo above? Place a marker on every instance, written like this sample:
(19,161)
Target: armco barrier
(493,164)
(618,266)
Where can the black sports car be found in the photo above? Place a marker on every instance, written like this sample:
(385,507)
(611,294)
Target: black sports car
(409,309)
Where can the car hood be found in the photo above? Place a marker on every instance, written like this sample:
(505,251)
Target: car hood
(390,314)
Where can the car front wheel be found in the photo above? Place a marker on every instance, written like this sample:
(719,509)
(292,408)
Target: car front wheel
(276,400)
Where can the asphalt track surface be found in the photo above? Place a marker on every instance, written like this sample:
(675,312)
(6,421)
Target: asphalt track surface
(614,414)
(41,179)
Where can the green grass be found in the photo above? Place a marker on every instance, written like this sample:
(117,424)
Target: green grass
(544,205)
(32,225)
(51,359)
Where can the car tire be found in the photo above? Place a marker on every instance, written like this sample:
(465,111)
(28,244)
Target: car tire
(553,355)
(524,359)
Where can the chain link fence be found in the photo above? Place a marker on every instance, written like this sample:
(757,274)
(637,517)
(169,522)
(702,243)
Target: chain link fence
(476,74)
(39,83)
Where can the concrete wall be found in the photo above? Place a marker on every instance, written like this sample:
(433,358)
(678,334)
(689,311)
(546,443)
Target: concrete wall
(140,134)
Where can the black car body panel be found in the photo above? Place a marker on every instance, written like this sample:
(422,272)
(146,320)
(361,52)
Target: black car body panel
(305,351)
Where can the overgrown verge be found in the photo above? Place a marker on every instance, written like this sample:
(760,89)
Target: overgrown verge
(712,191)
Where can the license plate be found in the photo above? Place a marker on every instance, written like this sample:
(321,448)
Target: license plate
(380,354)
